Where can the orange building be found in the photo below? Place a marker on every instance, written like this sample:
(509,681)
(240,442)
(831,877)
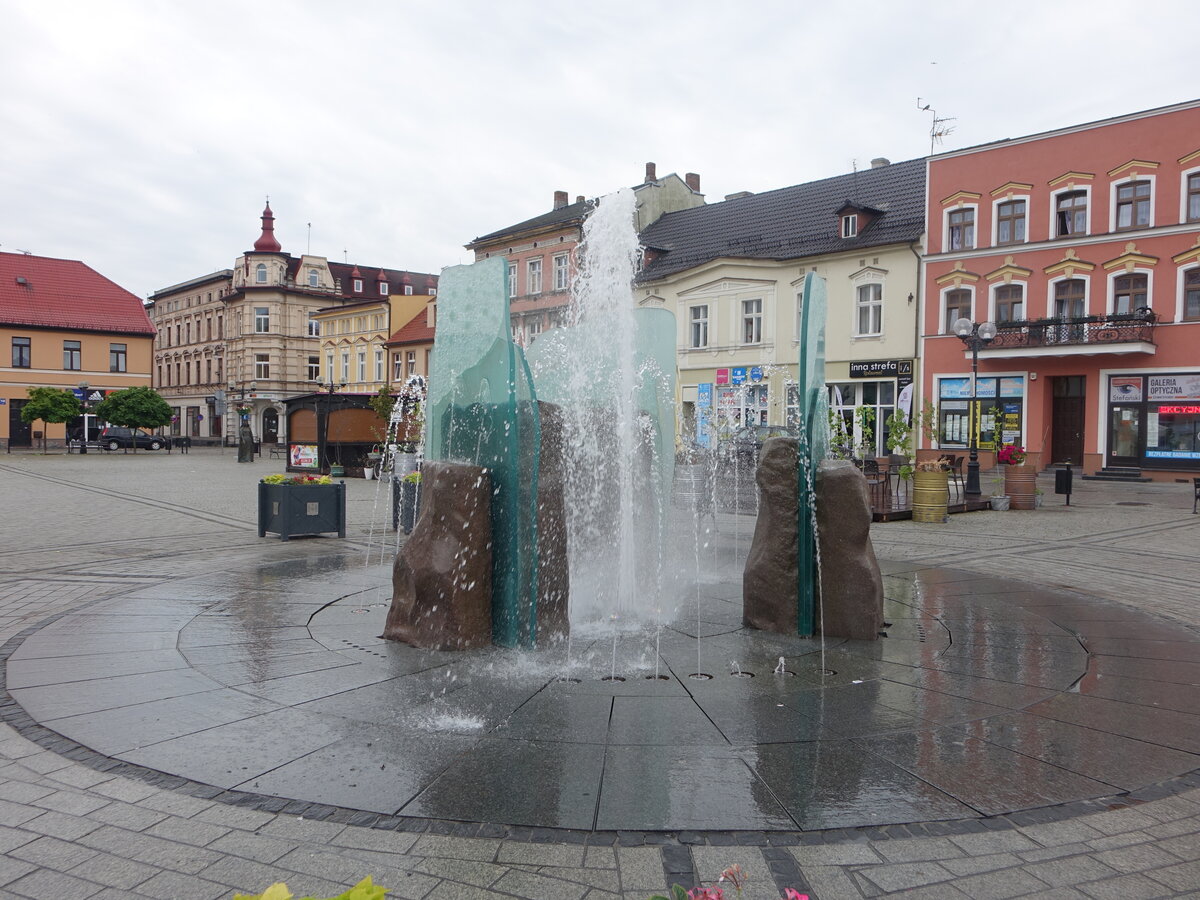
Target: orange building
(69,327)
(1082,246)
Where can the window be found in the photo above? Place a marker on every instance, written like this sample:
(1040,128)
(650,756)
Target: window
(512,280)
(1010,222)
(1010,303)
(850,226)
(408,290)
(178,334)
(561,272)
(313,278)
(699,316)
(533,274)
(1071,213)
(314,368)
(960,228)
(220,328)
(533,328)
(397,367)
(1133,205)
(1191,295)
(260,273)
(958,306)
(412,363)
(21,352)
(187,332)
(358,285)
(1129,293)
(218,379)
(345,365)
(208,328)
(262,366)
(72,353)
(314,326)
(1070,298)
(752,321)
(116,357)
(362,365)
(208,371)
(262,319)
(869,309)
(383,289)
(1193,197)
(329,365)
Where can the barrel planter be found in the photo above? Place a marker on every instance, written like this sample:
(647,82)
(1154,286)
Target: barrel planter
(294,509)
(930,495)
(1020,483)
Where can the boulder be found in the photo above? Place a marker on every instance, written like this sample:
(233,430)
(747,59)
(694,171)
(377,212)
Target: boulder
(769,583)
(442,577)
(851,595)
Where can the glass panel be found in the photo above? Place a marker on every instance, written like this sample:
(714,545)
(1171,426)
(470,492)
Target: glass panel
(1123,437)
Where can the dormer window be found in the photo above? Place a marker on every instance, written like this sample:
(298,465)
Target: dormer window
(313,278)
(358,285)
(850,225)
(408,290)
(383,289)
(260,273)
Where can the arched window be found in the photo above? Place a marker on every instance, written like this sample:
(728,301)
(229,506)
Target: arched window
(1129,293)
(312,278)
(260,273)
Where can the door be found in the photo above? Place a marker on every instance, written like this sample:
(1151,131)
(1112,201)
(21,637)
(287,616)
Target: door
(1066,423)
(20,434)
(1125,443)
(270,425)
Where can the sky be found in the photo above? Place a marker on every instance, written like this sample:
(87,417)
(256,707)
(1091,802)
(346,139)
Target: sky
(142,136)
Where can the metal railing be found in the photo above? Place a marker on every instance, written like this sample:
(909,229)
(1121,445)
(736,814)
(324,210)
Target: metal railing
(1115,329)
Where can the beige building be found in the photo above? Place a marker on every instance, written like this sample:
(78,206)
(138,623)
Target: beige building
(354,340)
(733,273)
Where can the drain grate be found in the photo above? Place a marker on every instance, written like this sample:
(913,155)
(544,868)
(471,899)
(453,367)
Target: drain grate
(1130,503)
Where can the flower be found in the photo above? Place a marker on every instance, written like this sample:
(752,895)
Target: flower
(298,479)
(791,894)
(734,875)
(1012,455)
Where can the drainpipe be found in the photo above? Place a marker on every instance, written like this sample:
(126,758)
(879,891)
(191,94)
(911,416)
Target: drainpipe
(917,343)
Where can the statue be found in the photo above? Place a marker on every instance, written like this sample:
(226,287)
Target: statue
(245,443)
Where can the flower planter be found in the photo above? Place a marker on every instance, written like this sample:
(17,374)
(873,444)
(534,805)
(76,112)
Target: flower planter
(999,503)
(406,504)
(1020,483)
(294,509)
(930,495)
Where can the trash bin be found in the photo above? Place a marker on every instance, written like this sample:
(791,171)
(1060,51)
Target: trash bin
(1062,481)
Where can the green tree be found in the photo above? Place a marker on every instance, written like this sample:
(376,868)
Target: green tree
(50,405)
(135,407)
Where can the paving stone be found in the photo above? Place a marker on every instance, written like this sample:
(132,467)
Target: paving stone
(173,884)
(640,867)
(234,816)
(932,892)
(23,792)
(125,789)
(151,850)
(81,777)
(126,815)
(468,871)
(61,825)
(45,762)
(540,854)
(918,849)
(16,813)
(594,878)
(974,865)
(1183,877)
(1058,893)
(1126,887)
(1119,821)
(1010,841)
(830,882)
(538,887)
(1137,858)
(114,871)
(901,876)
(46,883)
(11,869)
(1125,839)
(1185,846)
(175,804)
(1174,828)
(1070,870)
(251,877)
(252,846)
(11,838)
(1060,833)
(600,858)
(449,890)
(187,831)
(302,829)
(835,855)
(52,853)
(456,848)
(375,839)
(348,870)
(1000,885)
(1056,852)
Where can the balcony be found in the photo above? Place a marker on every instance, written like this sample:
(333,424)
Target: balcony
(1078,336)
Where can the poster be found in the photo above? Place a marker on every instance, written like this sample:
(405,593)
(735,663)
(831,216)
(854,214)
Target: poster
(302,456)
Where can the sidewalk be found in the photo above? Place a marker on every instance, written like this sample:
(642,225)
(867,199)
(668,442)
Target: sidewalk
(100,526)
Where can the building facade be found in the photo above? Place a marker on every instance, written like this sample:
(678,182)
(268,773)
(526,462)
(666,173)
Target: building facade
(1082,245)
(259,324)
(541,251)
(68,327)
(733,274)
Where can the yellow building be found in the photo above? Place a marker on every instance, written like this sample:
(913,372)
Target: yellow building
(68,327)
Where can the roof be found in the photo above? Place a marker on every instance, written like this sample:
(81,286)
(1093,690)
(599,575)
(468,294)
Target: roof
(416,331)
(66,294)
(791,222)
(565,215)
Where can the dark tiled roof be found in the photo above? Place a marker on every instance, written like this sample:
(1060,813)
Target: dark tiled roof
(792,222)
(65,293)
(572,212)
(417,331)
(396,279)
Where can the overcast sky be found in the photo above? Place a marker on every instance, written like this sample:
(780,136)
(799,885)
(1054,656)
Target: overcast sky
(142,137)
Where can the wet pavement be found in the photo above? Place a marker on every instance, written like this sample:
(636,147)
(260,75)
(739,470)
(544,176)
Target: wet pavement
(1000,719)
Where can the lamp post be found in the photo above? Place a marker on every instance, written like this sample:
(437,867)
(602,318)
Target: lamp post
(232,388)
(975,335)
(328,389)
(83,405)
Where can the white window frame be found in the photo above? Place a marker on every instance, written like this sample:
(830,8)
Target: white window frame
(314,280)
(408,290)
(533,275)
(1112,201)
(329,364)
(1051,288)
(314,326)
(704,321)
(562,271)
(850,225)
(379,364)
(1111,300)
(262,366)
(1183,194)
(262,320)
(260,273)
(361,365)
(1023,285)
(383,289)
(512,280)
(410,363)
(871,303)
(345,366)
(962,207)
(358,285)
(944,327)
(397,366)
(996,204)
(749,316)
(1091,207)
(314,368)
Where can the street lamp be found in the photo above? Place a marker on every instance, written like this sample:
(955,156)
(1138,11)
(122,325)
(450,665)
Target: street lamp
(232,388)
(83,405)
(329,389)
(975,335)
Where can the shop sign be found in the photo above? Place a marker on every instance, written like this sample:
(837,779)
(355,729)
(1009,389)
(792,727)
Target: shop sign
(722,376)
(3,401)
(738,375)
(704,394)
(1012,386)
(1174,387)
(955,388)
(756,373)
(882,368)
(303,456)
(1125,389)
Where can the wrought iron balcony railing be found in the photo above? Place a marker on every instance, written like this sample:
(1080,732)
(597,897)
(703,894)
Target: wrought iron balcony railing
(1130,328)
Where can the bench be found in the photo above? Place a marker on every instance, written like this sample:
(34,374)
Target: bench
(278,450)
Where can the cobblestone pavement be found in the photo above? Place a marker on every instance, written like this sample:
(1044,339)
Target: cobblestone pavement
(79,529)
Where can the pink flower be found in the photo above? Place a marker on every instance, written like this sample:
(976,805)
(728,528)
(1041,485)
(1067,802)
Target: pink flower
(706,894)
(790,894)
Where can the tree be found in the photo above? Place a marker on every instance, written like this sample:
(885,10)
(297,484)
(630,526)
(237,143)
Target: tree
(50,405)
(135,407)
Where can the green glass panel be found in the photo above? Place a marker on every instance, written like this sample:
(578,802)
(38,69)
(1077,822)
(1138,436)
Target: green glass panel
(483,411)
(814,439)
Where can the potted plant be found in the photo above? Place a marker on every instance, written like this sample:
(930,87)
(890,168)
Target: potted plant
(931,492)
(1020,480)
(301,504)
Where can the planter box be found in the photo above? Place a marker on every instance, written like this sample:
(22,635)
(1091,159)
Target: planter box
(1020,483)
(294,509)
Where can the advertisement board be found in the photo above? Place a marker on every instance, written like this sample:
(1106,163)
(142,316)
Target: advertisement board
(302,456)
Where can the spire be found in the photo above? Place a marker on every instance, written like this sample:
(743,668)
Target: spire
(266,242)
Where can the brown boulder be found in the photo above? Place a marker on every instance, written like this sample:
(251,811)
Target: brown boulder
(442,577)
(770,581)
(554,573)
(851,596)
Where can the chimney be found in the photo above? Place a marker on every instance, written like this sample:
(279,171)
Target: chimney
(692,180)
(579,198)
(650,172)
(560,199)
(879,162)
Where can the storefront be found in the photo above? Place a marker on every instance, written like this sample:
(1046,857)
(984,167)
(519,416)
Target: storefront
(867,399)
(1153,420)
(996,417)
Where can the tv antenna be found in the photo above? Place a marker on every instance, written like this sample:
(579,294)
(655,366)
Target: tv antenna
(939,127)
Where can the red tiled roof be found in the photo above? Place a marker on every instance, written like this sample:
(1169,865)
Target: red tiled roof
(65,293)
(417,331)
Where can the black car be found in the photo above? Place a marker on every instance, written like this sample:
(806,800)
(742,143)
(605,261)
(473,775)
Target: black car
(114,437)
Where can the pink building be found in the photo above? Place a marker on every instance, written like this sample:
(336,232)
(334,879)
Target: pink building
(1082,245)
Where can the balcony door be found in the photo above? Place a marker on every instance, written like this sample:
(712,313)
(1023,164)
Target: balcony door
(1066,423)
(1069,303)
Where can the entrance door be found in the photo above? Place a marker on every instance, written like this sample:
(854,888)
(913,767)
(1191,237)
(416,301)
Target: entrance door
(270,424)
(20,434)
(1066,435)
(1125,443)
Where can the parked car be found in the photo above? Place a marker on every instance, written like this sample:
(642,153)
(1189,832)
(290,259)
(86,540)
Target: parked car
(114,437)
